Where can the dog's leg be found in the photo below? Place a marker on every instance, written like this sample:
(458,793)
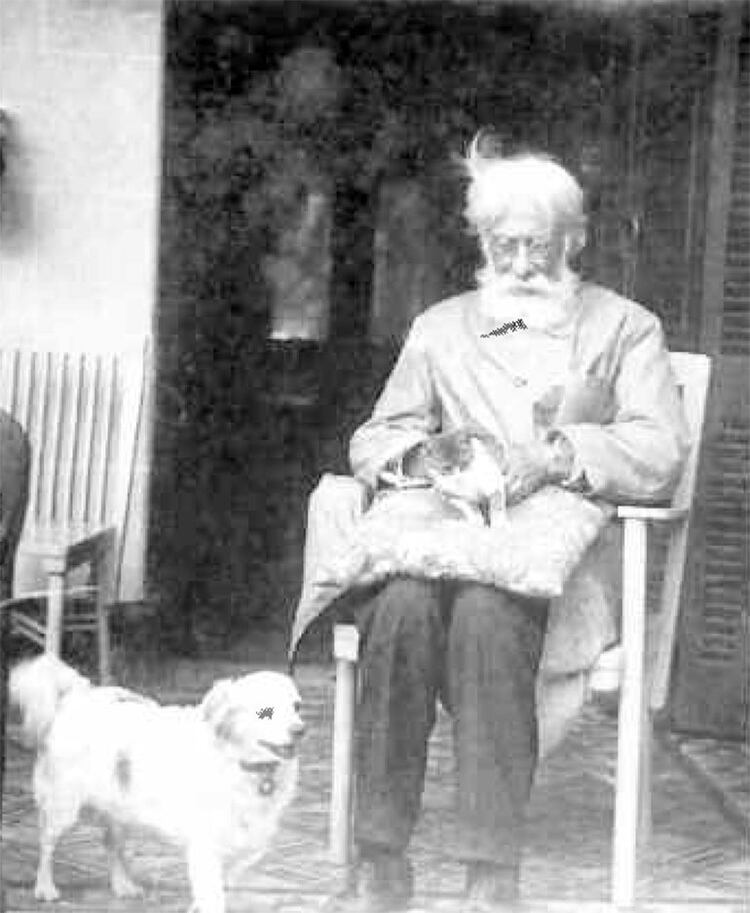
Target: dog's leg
(58,803)
(49,834)
(206,878)
(119,878)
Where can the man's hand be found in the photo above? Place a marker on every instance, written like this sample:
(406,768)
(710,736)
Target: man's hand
(525,468)
(530,466)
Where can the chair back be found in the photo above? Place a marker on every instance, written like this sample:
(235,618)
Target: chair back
(81,412)
(693,374)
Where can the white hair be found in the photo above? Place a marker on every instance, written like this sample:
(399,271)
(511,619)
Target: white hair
(499,183)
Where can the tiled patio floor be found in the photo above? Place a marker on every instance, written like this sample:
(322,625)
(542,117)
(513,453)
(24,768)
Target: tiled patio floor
(698,858)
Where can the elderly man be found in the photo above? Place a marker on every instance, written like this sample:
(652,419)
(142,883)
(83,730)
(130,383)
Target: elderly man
(498,360)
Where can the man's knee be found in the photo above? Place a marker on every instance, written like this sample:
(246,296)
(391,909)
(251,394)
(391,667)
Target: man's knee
(487,615)
(404,607)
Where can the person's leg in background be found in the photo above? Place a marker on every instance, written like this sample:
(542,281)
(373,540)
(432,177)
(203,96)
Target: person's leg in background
(495,642)
(15,465)
(401,661)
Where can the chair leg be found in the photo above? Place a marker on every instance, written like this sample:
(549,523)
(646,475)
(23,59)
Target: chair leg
(55,606)
(644,810)
(345,650)
(631,725)
(102,636)
(103,571)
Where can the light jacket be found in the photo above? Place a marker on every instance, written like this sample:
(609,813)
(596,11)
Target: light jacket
(606,383)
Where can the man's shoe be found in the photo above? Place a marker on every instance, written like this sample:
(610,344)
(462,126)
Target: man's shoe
(491,888)
(384,884)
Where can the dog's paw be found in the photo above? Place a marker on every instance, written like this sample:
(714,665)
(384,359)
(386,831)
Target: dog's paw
(46,891)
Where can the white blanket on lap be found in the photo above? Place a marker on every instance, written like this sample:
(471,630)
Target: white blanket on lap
(555,545)
(532,551)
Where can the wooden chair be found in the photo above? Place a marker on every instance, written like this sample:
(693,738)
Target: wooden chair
(82,414)
(643,689)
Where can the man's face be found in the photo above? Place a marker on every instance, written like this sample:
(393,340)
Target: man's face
(526,252)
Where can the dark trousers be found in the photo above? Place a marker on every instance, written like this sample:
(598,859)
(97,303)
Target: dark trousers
(478,649)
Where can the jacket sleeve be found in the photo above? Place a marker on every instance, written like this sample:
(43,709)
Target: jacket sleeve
(405,414)
(639,455)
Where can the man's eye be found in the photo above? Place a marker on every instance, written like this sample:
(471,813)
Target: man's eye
(504,245)
(508,247)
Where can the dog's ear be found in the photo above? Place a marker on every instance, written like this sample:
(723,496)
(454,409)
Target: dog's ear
(217,708)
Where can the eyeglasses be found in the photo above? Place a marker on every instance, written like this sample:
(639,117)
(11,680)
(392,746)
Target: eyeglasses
(505,248)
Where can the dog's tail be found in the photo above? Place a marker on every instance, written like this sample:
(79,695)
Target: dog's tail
(37,686)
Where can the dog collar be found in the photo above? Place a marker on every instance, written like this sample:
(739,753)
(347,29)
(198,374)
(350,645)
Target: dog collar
(265,770)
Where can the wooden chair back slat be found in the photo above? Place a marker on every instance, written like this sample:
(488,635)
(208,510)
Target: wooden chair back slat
(73,455)
(80,499)
(108,391)
(54,446)
(80,411)
(37,430)
(69,405)
(12,383)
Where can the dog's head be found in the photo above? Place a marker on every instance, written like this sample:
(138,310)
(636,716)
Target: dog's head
(256,718)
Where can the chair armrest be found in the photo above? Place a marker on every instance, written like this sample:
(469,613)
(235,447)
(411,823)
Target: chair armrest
(657,514)
(34,596)
(346,642)
(334,507)
(93,548)
(65,552)
(338,490)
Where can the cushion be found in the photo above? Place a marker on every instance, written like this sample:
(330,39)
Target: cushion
(417,532)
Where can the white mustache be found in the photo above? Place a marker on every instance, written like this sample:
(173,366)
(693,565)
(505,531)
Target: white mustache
(541,301)
(538,287)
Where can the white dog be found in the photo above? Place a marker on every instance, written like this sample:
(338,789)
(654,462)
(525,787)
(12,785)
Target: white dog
(213,778)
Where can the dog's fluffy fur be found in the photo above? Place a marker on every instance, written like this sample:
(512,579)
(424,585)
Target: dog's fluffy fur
(213,778)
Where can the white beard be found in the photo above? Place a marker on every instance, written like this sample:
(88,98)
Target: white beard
(543,304)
